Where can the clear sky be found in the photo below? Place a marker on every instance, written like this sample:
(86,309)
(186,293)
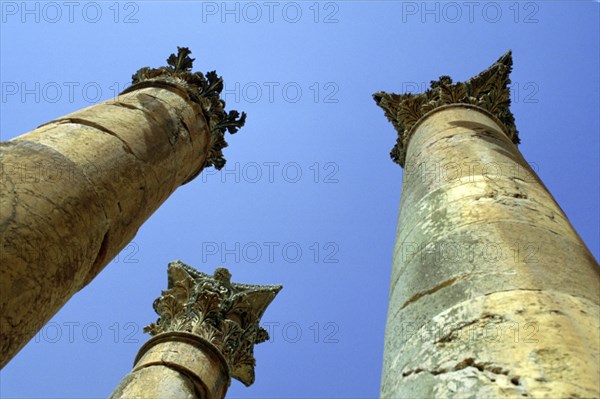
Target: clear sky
(308,177)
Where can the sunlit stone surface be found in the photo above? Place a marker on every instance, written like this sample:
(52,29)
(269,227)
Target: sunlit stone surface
(493,294)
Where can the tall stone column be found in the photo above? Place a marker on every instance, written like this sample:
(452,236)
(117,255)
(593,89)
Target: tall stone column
(493,293)
(205,334)
(76,190)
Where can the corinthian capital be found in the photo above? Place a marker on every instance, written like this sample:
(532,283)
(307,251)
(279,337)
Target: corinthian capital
(223,313)
(488,90)
(205,90)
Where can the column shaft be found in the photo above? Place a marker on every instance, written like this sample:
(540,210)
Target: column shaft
(176,365)
(76,190)
(493,293)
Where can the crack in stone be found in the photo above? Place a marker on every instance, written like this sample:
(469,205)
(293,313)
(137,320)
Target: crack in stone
(126,105)
(101,128)
(438,287)
(468,362)
(449,337)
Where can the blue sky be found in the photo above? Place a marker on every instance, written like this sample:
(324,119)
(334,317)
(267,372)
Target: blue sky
(309,197)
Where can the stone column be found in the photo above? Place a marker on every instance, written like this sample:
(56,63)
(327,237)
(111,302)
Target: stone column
(76,190)
(206,332)
(493,293)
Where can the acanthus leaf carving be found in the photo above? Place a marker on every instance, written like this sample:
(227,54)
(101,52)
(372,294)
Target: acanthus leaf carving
(223,313)
(489,90)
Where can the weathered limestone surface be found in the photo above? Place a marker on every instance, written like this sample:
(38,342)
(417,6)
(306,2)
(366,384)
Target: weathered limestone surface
(158,378)
(206,332)
(493,294)
(176,365)
(76,190)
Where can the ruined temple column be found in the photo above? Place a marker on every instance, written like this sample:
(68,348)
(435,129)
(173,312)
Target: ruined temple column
(493,293)
(76,190)
(205,334)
